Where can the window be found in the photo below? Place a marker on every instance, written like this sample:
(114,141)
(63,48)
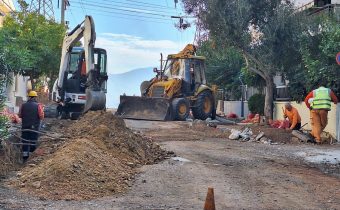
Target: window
(199,70)
(175,68)
(100,61)
(74,61)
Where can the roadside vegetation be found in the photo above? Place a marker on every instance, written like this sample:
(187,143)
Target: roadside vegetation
(30,45)
(263,39)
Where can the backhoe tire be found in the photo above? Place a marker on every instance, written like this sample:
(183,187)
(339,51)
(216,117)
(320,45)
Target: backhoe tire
(180,109)
(204,106)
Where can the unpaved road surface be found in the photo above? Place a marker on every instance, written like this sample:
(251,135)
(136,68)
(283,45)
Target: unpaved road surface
(244,175)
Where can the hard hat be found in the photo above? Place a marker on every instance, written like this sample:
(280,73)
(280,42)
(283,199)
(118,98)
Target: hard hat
(32,93)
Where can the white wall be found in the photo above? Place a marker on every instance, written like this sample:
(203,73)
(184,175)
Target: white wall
(16,90)
(305,116)
(333,126)
(235,107)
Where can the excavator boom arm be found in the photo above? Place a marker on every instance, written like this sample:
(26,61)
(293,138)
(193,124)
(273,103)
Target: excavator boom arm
(95,97)
(87,30)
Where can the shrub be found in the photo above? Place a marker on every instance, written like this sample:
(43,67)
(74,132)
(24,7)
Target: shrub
(256,104)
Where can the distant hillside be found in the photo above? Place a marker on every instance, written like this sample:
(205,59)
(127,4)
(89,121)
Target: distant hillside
(127,83)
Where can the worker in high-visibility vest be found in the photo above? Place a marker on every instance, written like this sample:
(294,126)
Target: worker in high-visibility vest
(319,106)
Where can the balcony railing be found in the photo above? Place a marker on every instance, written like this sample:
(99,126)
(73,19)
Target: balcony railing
(306,6)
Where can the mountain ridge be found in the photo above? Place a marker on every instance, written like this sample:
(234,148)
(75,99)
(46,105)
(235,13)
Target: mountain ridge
(126,83)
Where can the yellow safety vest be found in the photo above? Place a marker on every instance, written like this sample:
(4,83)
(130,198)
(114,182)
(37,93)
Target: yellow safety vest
(322,99)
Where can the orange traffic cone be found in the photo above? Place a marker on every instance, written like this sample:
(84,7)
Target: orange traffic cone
(210,200)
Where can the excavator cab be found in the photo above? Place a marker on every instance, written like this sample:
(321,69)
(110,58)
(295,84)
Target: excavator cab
(100,63)
(81,84)
(75,82)
(76,72)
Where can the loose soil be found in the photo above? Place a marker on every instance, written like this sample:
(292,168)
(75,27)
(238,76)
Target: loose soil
(244,175)
(94,157)
(178,131)
(275,134)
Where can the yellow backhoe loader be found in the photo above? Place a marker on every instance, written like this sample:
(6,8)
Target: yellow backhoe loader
(178,87)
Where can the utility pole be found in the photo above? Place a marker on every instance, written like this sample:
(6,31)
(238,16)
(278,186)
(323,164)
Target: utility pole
(182,25)
(64,5)
(62,12)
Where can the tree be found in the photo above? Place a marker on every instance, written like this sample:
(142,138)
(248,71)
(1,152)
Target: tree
(266,33)
(222,67)
(31,44)
(319,48)
(4,80)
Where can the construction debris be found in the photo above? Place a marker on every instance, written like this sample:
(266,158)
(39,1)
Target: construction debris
(209,122)
(247,135)
(301,136)
(97,159)
(235,134)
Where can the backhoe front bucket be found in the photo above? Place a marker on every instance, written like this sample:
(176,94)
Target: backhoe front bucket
(143,108)
(95,100)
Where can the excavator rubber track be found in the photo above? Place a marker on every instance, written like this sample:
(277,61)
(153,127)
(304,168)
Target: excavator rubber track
(144,108)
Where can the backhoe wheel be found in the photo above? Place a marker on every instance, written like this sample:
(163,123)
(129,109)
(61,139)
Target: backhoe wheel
(204,106)
(180,109)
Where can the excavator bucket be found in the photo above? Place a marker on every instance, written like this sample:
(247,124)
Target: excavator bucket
(144,108)
(95,100)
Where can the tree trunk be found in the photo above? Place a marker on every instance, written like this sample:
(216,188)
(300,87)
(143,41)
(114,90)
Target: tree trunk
(32,82)
(269,98)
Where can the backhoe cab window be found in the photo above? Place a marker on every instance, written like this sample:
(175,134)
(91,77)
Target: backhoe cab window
(175,68)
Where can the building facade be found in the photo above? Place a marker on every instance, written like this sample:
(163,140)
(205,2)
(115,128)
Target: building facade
(6,7)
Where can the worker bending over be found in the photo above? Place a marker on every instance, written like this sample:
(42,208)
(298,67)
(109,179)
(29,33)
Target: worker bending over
(293,117)
(31,113)
(319,102)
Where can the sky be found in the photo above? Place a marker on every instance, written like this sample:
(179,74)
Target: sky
(134,32)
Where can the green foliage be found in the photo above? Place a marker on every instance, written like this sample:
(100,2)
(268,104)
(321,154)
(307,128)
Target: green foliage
(223,67)
(31,43)
(256,104)
(251,79)
(302,48)
(297,85)
(265,33)
(3,81)
(319,49)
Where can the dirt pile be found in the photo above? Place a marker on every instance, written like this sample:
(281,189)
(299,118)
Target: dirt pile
(99,158)
(275,134)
